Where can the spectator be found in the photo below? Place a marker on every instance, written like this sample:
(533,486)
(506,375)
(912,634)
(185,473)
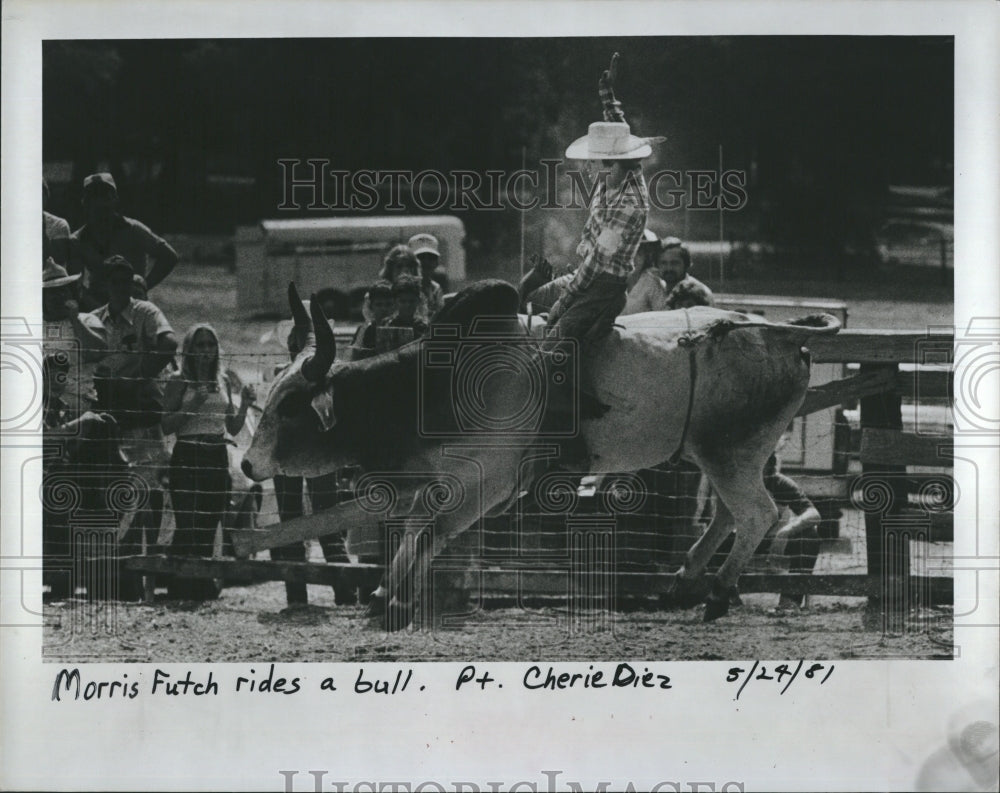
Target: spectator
(199,410)
(322,495)
(140,343)
(55,413)
(647,289)
(55,232)
(685,289)
(58,418)
(406,297)
(80,337)
(107,232)
(799,534)
(645,257)
(425,247)
(664,283)
(83,448)
(398,261)
(381,305)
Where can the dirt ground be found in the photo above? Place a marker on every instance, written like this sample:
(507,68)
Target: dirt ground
(251,624)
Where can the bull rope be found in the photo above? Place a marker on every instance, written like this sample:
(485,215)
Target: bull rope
(691,342)
(822,323)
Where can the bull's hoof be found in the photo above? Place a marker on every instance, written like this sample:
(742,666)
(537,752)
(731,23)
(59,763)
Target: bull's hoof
(718,601)
(375,613)
(685,593)
(242,543)
(398,616)
(345,596)
(715,608)
(388,615)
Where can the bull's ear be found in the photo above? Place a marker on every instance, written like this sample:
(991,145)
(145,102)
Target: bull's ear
(322,403)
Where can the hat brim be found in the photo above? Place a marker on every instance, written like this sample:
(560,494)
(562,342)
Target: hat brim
(426,249)
(638,148)
(64,280)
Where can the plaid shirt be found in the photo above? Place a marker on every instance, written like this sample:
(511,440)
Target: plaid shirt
(613,231)
(617,219)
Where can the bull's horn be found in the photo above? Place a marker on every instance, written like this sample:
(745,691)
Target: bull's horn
(321,360)
(298,310)
(303,331)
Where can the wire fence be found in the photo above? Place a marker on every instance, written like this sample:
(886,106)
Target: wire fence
(183,495)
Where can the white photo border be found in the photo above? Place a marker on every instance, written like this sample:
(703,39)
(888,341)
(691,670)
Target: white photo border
(873,727)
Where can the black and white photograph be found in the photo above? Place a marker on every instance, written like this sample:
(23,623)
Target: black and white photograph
(622,363)
(505,431)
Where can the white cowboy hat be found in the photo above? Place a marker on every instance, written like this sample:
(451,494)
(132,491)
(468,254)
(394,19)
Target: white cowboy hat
(55,275)
(610,140)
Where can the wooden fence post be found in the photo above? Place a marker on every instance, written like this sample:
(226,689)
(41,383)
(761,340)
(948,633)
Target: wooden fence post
(883,411)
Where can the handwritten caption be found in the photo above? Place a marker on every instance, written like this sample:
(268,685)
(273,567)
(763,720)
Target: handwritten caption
(781,675)
(71,684)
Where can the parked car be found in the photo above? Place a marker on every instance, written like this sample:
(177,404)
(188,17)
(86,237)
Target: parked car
(907,241)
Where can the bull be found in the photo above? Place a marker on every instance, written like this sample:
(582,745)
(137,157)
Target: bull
(714,387)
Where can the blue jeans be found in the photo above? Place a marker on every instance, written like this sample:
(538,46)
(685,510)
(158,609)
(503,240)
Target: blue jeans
(590,315)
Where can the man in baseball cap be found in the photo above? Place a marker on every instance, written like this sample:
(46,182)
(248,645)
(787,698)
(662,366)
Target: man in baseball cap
(107,232)
(100,187)
(425,248)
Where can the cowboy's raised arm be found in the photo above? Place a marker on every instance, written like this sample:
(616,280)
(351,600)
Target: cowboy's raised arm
(606,90)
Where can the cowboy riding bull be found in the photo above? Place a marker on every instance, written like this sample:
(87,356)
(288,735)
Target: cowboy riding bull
(713,387)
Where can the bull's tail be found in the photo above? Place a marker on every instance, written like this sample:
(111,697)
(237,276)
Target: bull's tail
(800,328)
(813,324)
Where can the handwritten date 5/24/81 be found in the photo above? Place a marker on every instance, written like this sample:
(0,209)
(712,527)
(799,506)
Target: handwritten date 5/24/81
(780,674)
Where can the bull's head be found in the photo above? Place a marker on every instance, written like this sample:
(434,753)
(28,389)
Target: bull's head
(299,406)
